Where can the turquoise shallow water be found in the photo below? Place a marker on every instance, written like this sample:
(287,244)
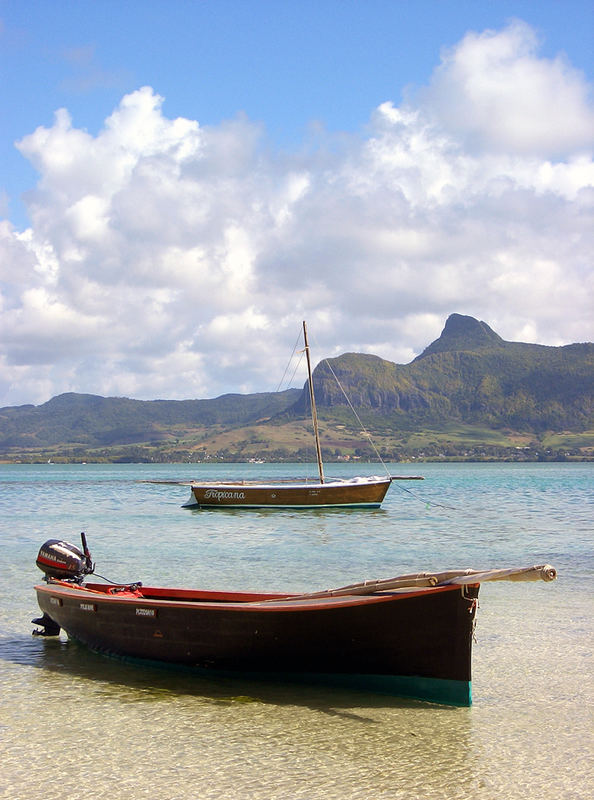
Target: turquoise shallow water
(72,722)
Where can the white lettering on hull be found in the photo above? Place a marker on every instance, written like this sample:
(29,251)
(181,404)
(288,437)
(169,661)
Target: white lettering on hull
(217,494)
(146,612)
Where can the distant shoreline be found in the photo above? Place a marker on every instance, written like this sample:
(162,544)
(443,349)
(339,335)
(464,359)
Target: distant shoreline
(60,460)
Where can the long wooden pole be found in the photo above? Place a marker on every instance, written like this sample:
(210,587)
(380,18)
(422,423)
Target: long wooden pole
(314,414)
(544,572)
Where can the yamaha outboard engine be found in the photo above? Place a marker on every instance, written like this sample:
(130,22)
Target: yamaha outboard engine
(59,559)
(66,562)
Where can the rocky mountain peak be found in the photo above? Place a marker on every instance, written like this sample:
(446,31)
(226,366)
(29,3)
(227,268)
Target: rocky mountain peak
(463,333)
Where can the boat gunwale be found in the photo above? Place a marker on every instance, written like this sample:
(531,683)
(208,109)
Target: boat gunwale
(266,603)
(295,483)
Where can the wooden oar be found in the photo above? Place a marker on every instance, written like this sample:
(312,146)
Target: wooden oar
(544,572)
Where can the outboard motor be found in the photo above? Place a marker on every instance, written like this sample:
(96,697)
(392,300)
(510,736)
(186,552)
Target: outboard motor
(59,559)
(64,561)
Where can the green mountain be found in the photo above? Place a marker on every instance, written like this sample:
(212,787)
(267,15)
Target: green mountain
(87,419)
(469,380)
(471,375)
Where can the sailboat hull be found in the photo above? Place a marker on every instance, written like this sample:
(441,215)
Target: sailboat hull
(357,493)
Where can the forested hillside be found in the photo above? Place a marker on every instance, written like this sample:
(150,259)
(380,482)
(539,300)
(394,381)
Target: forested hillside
(470,374)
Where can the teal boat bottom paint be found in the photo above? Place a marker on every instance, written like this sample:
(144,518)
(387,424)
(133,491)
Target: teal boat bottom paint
(432,690)
(414,687)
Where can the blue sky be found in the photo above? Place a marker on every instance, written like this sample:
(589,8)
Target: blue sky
(284,64)
(293,107)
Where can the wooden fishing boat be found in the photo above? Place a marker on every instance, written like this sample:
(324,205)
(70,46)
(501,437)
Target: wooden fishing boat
(406,636)
(359,492)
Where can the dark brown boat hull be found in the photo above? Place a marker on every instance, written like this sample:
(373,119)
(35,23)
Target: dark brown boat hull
(413,643)
(364,494)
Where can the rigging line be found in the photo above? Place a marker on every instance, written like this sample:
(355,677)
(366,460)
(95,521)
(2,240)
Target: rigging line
(426,503)
(363,428)
(371,442)
(297,365)
(289,364)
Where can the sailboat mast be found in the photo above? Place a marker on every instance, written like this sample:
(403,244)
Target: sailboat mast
(314,414)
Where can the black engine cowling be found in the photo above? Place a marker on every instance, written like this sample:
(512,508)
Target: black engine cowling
(65,561)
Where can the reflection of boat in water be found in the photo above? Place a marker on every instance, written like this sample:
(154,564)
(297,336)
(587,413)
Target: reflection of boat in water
(405,636)
(359,492)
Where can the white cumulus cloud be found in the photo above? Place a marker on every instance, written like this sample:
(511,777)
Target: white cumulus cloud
(170,259)
(494,91)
